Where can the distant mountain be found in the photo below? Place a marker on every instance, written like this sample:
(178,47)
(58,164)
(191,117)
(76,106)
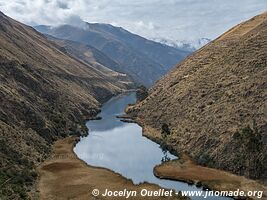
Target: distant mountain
(190,45)
(214,102)
(45,94)
(91,56)
(144,60)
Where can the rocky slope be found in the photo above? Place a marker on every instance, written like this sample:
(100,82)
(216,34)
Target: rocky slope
(44,94)
(144,60)
(213,105)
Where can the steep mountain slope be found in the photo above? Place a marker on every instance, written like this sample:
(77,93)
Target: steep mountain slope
(214,102)
(45,94)
(89,55)
(163,54)
(146,61)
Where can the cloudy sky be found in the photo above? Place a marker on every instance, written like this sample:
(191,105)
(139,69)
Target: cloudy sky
(171,19)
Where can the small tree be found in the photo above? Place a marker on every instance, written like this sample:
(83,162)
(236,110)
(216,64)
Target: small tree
(141,93)
(252,144)
(164,132)
(165,157)
(165,129)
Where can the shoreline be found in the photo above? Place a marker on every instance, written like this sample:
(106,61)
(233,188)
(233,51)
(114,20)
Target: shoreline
(185,169)
(217,180)
(64,162)
(64,176)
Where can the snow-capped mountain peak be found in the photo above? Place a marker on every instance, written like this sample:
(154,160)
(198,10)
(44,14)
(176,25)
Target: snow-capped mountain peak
(191,45)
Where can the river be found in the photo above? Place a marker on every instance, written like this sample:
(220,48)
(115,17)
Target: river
(120,146)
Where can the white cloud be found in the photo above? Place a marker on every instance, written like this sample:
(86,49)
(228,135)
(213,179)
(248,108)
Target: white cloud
(173,19)
(75,20)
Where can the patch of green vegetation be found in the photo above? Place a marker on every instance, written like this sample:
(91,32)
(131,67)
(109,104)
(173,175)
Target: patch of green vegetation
(165,130)
(78,129)
(206,160)
(141,93)
(16,175)
(251,138)
(14,182)
(251,151)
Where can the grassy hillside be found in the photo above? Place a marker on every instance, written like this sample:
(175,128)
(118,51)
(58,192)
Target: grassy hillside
(45,94)
(213,105)
(92,56)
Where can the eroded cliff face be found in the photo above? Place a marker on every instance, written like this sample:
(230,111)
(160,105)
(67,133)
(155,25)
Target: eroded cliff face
(45,94)
(214,102)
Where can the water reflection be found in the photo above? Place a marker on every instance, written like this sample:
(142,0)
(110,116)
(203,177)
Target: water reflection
(165,157)
(109,111)
(121,147)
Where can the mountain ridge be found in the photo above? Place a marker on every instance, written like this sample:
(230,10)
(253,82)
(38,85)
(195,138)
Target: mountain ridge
(214,102)
(45,95)
(89,55)
(130,51)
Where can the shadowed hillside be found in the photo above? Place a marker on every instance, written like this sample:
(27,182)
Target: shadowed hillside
(213,105)
(45,95)
(144,60)
(91,56)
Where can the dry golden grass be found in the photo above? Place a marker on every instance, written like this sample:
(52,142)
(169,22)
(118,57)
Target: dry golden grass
(213,94)
(64,176)
(45,94)
(187,170)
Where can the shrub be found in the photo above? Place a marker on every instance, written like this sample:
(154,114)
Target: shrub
(251,138)
(165,129)
(206,160)
(250,157)
(141,93)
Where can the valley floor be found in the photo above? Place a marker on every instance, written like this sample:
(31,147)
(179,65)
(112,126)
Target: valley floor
(64,176)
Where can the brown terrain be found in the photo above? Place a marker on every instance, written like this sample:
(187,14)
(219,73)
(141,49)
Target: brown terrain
(45,94)
(64,176)
(212,106)
(185,169)
(90,55)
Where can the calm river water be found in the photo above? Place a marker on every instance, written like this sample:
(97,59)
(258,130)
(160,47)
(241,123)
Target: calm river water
(120,146)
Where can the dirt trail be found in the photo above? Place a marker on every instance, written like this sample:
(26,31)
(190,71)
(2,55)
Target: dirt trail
(64,176)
